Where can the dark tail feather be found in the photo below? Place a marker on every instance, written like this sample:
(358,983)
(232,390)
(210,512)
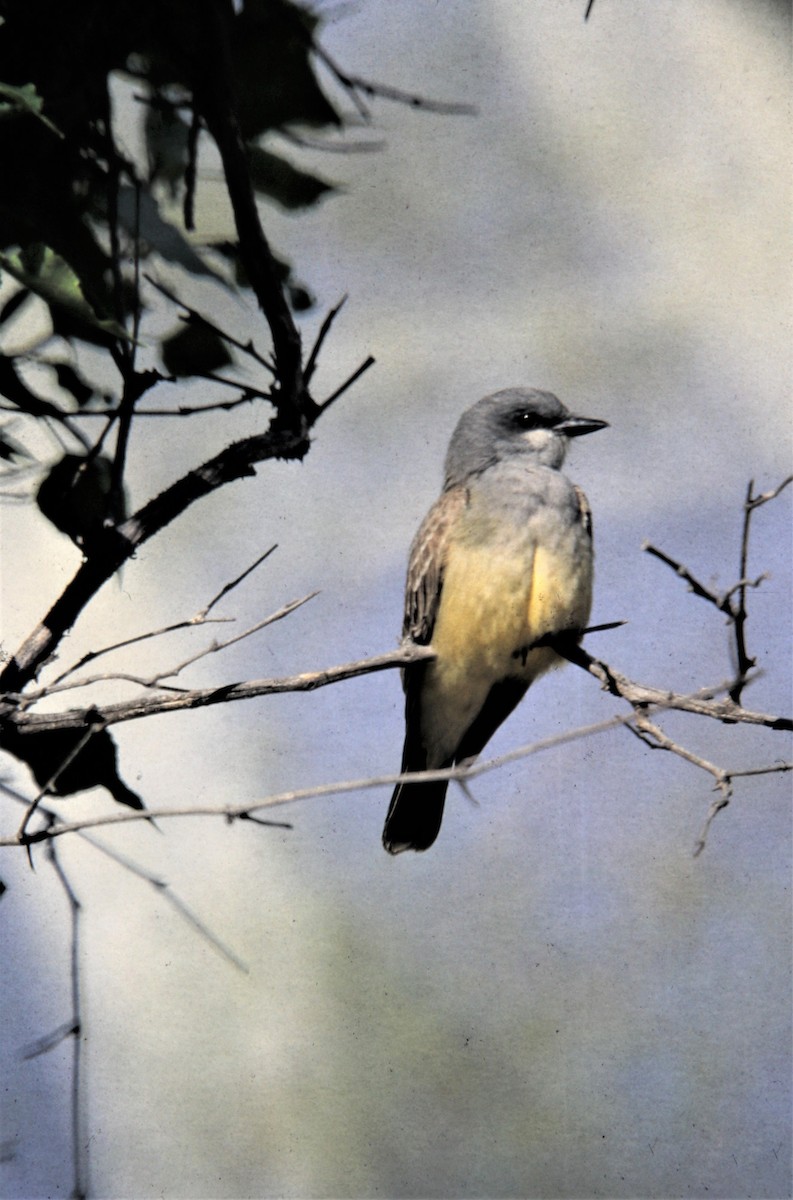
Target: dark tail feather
(414,817)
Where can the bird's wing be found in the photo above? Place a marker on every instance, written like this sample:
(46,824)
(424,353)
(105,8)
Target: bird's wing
(584,511)
(426,566)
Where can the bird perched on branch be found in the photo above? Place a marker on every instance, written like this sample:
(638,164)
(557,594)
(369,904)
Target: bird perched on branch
(502,561)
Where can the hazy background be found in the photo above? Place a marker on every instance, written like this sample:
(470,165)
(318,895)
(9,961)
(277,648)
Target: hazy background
(557,1000)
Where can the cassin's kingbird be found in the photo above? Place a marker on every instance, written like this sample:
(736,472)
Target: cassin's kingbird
(502,560)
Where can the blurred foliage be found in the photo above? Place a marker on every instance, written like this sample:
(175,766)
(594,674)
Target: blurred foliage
(78,497)
(62,166)
(86,223)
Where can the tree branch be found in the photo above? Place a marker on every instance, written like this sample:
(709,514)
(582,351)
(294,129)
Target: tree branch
(132,710)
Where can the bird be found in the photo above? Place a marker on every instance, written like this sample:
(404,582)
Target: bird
(502,561)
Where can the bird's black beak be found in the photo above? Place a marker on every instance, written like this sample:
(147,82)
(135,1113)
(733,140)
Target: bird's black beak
(577,426)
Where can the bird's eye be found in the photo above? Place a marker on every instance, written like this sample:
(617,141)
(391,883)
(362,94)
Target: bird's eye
(528,420)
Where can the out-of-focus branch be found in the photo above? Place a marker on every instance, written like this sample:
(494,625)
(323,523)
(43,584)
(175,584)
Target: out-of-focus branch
(357,87)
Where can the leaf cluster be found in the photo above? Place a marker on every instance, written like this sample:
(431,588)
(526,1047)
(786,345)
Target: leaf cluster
(98,244)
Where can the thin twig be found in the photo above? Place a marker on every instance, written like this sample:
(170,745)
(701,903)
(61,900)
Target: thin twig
(161,886)
(247,395)
(154,682)
(654,737)
(30,697)
(278,615)
(199,319)
(764,497)
(370,146)
(355,85)
(356,375)
(50,1041)
(463,772)
(722,602)
(80,1142)
(324,330)
(81,742)
(744,662)
(717,805)
(228,587)
(191,171)
(200,618)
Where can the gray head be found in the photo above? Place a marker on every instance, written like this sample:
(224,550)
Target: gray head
(516,421)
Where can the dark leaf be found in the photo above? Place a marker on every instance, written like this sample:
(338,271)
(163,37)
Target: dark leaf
(77,498)
(57,284)
(194,350)
(274,77)
(95,765)
(277,178)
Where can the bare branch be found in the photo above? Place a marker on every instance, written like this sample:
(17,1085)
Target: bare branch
(717,805)
(460,774)
(156,681)
(720,601)
(464,771)
(641,696)
(311,361)
(654,737)
(356,86)
(200,618)
(356,375)
(161,886)
(744,662)
(31,697)
(735,611)
(278,615)
(228,587)
(132,710)
(764,497)
(50,1041)
(60,768)
(80,1142)
(213,99)
(118,544)
(198,318)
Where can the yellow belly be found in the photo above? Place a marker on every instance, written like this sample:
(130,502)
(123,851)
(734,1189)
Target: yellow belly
(493,607)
